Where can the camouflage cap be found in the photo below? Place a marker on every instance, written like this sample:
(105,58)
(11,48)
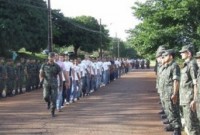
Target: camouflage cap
(168,52)
(185,48)
(197,55)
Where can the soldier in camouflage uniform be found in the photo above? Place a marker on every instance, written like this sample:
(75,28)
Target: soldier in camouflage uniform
(48,73)
(34,74)
(198,85)
(171,78)
(11,77)
(2,75)
(158,70)
(17,82)
(28,71)
(188,90)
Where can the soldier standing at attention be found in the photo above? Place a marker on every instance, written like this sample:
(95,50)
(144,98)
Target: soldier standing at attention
(11,77)
(171,77)
(48,73)
(2,75)
(198,85)
(188,90)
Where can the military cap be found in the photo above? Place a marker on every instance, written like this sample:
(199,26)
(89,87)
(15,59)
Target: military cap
(51,54)
(185,48)
(197,55)
(168,52)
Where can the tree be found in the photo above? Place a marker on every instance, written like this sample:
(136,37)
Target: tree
(82,32)
(173,23)
(23,24)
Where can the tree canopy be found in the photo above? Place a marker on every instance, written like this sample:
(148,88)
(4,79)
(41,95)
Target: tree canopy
(23,23)
(165,22)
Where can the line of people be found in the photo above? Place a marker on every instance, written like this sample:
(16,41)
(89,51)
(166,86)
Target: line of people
(179,89)
(19,76)
(65,81)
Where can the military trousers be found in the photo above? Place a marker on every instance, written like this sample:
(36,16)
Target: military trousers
(191,120)
(173,113)
(2,85)
(50,93)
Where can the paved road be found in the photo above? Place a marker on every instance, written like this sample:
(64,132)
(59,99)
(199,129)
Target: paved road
(127,106)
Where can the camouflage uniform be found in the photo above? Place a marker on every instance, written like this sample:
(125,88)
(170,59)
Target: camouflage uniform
(198,86)
(50,84)
(171,72)
(2,76)
(11,77)
(28,73)
(188,80)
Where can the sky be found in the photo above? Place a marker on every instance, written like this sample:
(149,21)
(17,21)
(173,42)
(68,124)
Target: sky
(116,14)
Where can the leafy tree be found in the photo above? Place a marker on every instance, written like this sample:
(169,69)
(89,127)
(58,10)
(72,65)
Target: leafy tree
(82,32)
(23,23)
(173,23)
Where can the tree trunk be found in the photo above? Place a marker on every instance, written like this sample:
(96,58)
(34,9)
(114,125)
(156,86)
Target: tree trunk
(75,51)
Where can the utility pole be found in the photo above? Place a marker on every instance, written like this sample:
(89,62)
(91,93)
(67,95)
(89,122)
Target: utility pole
(100,40)
(50,39)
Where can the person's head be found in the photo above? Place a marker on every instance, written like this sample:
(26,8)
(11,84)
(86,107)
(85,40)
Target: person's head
(159,57)
(61,57)
(1,60)
(22,60)
(187,52)
(56,57)
(168,55)
(51,57)
(197,56)
(66,58)
(75,62)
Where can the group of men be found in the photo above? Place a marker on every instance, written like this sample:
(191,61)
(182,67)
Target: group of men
(179,89)
(19,76)
(65,81)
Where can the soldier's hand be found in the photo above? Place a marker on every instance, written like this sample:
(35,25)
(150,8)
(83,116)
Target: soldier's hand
(174,98)
(193,105)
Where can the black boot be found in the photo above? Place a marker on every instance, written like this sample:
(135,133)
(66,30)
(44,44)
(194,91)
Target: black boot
(48,105)
(161,112)
(53,112)
(165,121)
(163,116)
(177,131)
(169,128)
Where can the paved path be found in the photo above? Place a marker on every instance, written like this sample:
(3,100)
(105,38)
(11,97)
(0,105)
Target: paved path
(127,106)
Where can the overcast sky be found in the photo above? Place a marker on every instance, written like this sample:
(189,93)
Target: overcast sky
(116,14)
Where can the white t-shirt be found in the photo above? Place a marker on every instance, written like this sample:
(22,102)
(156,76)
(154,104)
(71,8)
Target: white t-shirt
(67,66)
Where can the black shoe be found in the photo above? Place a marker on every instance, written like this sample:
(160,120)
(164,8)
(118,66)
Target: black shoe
(161,112)
(163,116)
(169,128)
(48,105)
(53,113)
(166,121)
(177,132)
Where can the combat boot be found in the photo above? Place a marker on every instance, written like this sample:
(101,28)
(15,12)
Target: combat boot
(166,121)
(169,128)
(177,131)
(161,112)
(163,116)
(53,112)
(48,105)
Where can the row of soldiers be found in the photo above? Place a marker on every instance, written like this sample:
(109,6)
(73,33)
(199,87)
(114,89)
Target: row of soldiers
(140,63)
(179,89)
(18,77)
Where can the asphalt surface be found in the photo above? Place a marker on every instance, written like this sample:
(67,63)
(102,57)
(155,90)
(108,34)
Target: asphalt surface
(127,106)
